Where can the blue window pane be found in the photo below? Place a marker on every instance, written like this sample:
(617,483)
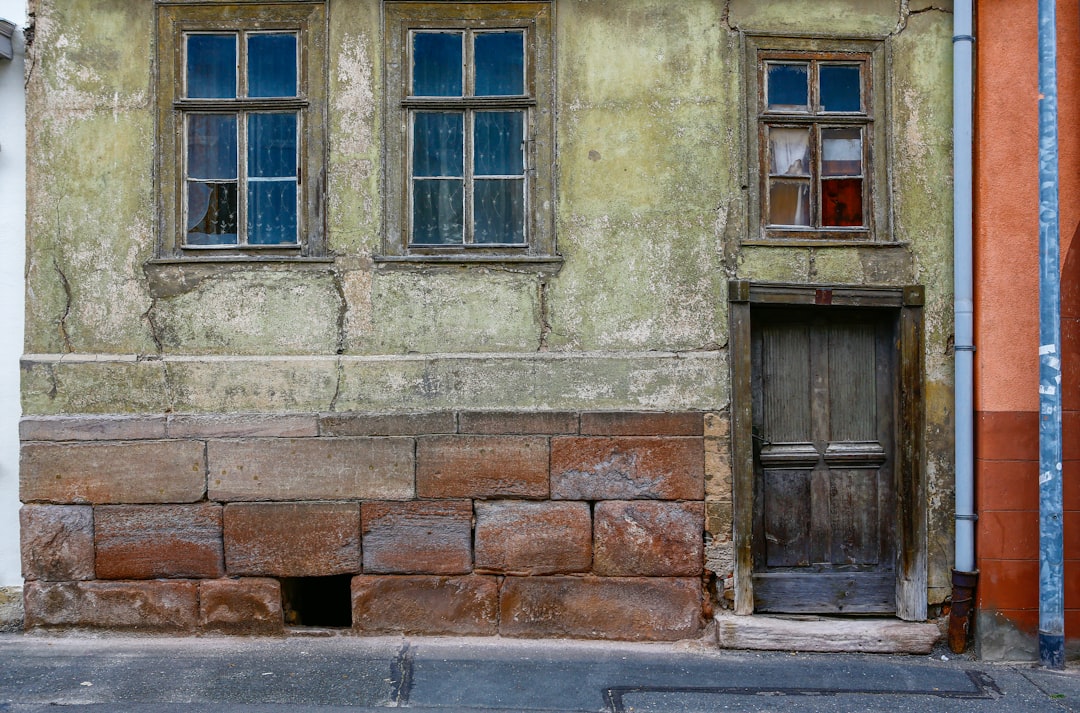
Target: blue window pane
(272,145)
(498,143)
(271,212)
(211,213)
(789,89)
(499,211)
(438,144)
(436,70)
(271,65)
(211,146)
(211,66)
(840,88)
(500,63)
(438,212)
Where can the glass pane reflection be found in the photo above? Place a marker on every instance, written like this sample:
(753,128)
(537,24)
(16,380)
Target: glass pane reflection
(841,152)
(272,65)
(438,144)
(211,66)
(438,212)
(211,146)
(500,63)
(436,70)
(271,212)
(499,211)
(211,213)
(788,87)
(789,203)
(272,145)
(498,143)
(840,88)
(789,151)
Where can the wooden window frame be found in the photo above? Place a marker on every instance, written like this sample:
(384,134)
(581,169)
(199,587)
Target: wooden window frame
(535,18)
(906,304)
(872,56)
(175,20)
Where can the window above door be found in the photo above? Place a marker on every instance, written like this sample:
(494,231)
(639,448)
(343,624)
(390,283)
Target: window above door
(469,140)
(817,142)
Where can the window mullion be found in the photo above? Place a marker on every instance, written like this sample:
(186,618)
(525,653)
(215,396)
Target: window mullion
(469,121)
(815,177)
(241,178)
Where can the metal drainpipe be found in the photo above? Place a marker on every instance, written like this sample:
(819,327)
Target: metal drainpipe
(964,576)
(1051,549)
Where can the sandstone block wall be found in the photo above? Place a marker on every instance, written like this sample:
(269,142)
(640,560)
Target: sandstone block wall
(588,524)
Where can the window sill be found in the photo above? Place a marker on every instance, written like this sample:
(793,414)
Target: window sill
(550,264)
(820,243)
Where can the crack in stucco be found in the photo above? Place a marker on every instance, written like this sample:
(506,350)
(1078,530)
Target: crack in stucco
(342,312)
(332,406)
(155,330)
(545,323)
(62,322)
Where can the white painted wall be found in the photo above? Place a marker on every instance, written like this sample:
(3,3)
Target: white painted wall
(12,256)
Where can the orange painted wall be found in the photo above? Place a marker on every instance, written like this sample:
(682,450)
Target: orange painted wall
(1007,306)
(1006,192)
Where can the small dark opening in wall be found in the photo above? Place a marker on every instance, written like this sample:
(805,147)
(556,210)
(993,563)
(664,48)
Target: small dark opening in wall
(317,601)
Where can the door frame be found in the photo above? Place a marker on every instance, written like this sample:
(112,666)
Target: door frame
(906,302)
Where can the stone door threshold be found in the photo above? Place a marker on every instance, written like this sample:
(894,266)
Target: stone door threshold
(824,634)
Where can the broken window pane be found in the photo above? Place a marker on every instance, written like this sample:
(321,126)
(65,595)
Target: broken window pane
(272,145)
(271,65)
(842,202)
(271,212)
(500,63)
(789,151)
(499,211)
(789,203)
(841,89)
(438,212)
(211,211)
(438,144)
(437,64)
(788,87)
(211,66)
(498,143)
(841,152)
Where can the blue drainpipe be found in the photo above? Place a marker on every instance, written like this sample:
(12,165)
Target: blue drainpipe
(1051,550)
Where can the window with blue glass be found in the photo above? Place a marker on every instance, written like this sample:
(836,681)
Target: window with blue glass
(241,164)
(819,149)
(475,111)
(247,121)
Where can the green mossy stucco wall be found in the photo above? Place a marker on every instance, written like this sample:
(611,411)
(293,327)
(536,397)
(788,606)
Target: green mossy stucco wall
(650,209)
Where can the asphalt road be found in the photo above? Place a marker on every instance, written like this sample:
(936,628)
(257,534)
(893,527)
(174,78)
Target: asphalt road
(75,673)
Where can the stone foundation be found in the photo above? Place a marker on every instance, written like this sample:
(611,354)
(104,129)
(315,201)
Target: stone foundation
(570,524)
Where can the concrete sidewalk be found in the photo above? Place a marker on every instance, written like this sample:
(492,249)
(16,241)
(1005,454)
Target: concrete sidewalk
(339,673)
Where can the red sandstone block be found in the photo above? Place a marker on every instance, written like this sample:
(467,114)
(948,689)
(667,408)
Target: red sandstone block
(419,537)
(1070,473)
(642,423)
(459,606)
(1007,435)
(482,467)
(292,539)
(649,609)
(91,428)
(162,605)
(627,468)
(153,541)
(533,537)
(1070,428)
(241,606)
(386,424)
(516,422)
(311,469)
(645,538)
(57,542)
(244,425)
(140,472)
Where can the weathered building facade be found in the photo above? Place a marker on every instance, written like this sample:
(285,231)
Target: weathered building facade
(550,318)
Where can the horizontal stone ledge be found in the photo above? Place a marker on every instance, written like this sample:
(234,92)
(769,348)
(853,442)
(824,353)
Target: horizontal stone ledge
(547,381)
(825,634)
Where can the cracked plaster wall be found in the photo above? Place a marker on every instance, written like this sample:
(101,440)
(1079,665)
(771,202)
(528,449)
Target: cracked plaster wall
(650,209)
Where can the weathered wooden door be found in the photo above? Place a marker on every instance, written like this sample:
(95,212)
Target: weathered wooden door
(823,383)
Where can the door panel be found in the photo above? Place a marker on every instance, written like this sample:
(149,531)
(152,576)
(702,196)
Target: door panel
(823,385)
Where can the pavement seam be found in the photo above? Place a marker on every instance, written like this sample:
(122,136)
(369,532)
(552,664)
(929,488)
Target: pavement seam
(1061,703)
(401,672)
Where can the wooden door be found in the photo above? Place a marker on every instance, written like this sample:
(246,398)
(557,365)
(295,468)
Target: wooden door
(824,533)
